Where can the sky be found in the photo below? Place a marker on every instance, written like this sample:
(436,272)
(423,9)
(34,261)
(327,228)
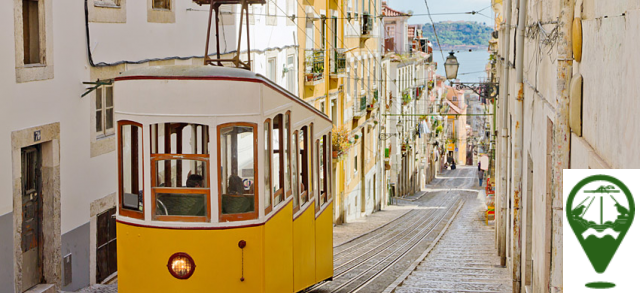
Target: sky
(444,6)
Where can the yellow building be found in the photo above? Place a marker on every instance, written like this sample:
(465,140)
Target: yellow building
(340,66)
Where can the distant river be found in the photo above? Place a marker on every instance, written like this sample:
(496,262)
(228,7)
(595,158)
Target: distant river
(470,62)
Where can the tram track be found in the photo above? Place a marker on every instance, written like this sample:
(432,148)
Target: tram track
(367,266)
(379,239)
(422,218)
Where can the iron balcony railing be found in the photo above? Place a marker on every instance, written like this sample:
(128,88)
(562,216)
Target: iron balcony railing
(359,107)
(367,24)
(313,65)
(339,62)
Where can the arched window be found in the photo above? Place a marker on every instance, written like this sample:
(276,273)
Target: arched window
(303,159)
(277,159)
(267,166)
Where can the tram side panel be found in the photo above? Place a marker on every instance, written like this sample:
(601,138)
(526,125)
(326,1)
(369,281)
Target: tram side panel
(324,244)
(304,249)
(143,254)
(278,246)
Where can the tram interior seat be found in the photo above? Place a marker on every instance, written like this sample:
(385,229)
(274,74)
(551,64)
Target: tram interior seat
(181,204)
(237,203)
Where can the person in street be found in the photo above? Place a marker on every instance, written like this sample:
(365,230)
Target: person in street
(480,175)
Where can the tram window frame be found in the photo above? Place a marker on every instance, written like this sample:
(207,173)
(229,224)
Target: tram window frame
(267,167)
(139,159)
(256,175)
(312,176)
(279,193)
(322,169)
(286,135)
(295,185)
(303,171)
(172,149)
(329,163)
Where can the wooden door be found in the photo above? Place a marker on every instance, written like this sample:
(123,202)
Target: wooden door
(31,237)
(106,252)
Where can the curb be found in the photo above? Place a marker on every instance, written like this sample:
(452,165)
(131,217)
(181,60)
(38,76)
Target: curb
(391,288)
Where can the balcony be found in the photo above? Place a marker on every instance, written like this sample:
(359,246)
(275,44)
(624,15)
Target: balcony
(367,26)
(373,104)
(313,67)
(359,107)
(338,63)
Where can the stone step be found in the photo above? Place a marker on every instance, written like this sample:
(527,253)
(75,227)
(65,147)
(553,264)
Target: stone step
(460,270)
(459,286)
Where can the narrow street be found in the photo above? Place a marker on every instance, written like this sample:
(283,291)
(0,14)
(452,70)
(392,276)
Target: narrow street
(443,221)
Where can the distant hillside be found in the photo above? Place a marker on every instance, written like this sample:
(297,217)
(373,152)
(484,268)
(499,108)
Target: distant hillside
(459,34)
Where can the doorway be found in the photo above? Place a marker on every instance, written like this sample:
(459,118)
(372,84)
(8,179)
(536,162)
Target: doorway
(106,250)
(31,237)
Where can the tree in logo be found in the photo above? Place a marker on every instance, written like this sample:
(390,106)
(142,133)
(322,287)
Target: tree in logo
(600,212)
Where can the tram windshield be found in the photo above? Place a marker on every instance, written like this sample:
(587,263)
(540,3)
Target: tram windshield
(237,162)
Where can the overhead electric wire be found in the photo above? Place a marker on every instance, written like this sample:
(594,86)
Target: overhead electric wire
(434,29)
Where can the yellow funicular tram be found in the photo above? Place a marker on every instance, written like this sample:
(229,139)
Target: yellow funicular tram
(224,183)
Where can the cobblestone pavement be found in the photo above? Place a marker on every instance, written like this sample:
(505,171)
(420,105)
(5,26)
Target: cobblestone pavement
(111,288)
(464,260)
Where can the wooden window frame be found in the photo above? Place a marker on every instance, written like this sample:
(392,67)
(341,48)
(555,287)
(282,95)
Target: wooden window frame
(296,186)
(267,141)
(329,163)
(101,93)
(122,211)
(180,190)
(304,166)
(153,5)
(281,190)
(322,190)
(287,154)
(256,176)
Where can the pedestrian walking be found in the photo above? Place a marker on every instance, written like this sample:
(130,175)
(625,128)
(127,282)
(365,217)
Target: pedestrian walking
(480,175)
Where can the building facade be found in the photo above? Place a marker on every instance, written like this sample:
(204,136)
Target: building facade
(60,143)
(552,116)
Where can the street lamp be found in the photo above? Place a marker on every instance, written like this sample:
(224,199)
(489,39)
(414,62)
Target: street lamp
(399,126)
(451,66)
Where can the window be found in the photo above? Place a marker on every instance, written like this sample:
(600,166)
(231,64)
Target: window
(104,111)
(130,169)
(162,4)
(277,160)
(310,34)
(294,170)
(303,158)
(322,170)
(287,156)
(180,187)
(267,166)
(31,32)
(271,12)
(237,174)
(329,167)
(323,24)
(291,74)
(322,108)
(107,3)
(355,165)
(271,69)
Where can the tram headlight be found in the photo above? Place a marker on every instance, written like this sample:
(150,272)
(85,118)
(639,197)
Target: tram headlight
(181,265)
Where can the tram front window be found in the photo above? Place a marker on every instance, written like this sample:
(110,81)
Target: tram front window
(237,174)
(181,187)
(180,172)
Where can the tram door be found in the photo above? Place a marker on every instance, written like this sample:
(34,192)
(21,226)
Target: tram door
(31,242)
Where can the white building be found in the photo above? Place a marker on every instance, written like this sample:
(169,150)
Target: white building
(61,146)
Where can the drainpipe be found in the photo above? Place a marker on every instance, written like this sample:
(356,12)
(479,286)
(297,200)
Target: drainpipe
(517,147)
(504,99)
(562,138)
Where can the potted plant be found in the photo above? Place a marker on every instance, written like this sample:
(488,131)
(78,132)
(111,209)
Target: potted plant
(406,98)
(339,140)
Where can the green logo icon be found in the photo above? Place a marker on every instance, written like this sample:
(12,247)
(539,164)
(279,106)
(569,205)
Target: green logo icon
(600,210)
